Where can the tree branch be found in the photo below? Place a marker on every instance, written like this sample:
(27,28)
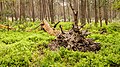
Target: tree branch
(61,29)
(56,24)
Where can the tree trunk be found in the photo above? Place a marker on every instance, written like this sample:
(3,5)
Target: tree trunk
(110,13)
(83,12)
(106,12)
(51,11)
(22,10)
(100,13)
(68,11)
(88,11)
(75,14)
(40,10)
(96,13)
(33,12)
(0,11)
(64,11)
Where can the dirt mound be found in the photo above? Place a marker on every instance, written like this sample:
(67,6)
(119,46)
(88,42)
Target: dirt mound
(75,39)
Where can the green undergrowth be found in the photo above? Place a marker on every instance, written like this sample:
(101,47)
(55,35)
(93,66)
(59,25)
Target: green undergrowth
(65,25)
(18,48)
(29,49)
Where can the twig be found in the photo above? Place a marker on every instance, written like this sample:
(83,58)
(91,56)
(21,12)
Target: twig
(56,24)
(61,29)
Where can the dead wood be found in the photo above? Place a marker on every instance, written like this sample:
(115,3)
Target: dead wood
(76,40)
(56,24)
(75,13)
(46,27)
(6,27)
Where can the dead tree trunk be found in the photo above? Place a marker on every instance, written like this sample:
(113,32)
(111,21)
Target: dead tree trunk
(75,39)
(75,13)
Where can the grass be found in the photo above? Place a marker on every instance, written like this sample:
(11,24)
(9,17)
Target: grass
(20,48)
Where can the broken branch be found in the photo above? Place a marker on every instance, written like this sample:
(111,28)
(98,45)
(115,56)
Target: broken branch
(61,29)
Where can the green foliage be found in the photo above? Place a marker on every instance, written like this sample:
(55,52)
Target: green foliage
(65,25)
(30,49)
(17,48)
(116,5)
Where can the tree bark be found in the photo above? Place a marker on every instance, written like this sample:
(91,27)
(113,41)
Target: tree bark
(51,11)
(100,13)
(110,10)
(88,12)
(96,13)
(75,14)
(22,10)
(64,11)
(0,11)
(83,12)
(33,11)
(106,12)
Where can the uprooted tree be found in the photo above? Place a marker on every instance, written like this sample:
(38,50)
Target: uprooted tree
(75,39)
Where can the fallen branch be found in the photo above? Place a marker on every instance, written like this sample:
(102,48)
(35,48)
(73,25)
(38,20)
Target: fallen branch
(6,27)
(46,27)
(56,24)
(61,29)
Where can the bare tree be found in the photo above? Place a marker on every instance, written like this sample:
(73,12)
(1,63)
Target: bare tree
(75,13)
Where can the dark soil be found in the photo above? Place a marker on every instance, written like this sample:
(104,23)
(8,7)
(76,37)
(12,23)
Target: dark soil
(76,40)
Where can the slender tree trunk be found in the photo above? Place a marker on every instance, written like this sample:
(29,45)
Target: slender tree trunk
(13,14)
(100,13)
(75,4)
(40,10)
(0,11)
(83,12)
(88,11)
(22,10)
(114,14)
(96,13)
(68,11)
(110,4)
(75,14)
(43,8)
(33,11)
(51,10)
(64,11)
(106,12)
(48,11)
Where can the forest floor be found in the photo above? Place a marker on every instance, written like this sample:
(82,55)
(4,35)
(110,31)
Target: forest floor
(22,48)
